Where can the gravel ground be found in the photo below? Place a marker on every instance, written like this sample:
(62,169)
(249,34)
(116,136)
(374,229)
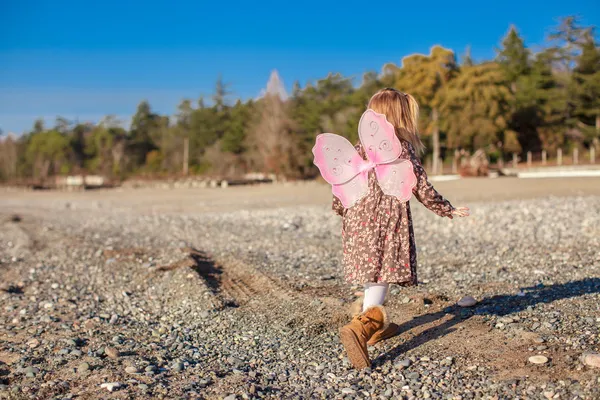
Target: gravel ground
(132,295)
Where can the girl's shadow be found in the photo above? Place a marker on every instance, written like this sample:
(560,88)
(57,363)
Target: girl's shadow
(499,305)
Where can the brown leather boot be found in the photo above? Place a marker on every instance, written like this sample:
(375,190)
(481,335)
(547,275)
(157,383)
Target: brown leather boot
(359,331)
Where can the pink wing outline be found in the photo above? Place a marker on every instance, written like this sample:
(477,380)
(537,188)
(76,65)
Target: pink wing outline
(378,138)
(352,191)
(348,173)
(342,167)
(397,179)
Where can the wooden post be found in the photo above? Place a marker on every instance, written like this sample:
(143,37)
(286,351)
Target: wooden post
(592,154)
(436,141)
(515,160)
(186,154)
(528,159)
(559,157)
(543,157)
(441,166)
(575,156)
(455,162)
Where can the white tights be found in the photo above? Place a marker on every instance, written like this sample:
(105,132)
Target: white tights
(375,294)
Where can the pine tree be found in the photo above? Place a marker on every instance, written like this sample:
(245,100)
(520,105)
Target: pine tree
(513,57)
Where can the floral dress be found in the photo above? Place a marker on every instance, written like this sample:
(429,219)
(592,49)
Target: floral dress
(377,232)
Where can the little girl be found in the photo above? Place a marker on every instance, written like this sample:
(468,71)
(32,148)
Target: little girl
(378,238)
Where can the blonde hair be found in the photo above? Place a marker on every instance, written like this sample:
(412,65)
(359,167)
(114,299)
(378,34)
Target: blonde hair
(402,111)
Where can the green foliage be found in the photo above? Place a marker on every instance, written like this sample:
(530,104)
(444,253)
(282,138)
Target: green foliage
(234,137)
(48,151)
(514,56)
(473,107)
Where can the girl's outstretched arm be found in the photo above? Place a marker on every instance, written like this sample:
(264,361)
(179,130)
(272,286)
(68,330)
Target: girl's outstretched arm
(426,193)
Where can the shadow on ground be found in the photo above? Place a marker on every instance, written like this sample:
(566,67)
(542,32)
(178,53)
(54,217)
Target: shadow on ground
(499,305)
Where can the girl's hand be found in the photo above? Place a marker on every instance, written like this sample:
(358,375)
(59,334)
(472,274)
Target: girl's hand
(460,212)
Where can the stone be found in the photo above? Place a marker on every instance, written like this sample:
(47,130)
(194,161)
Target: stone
(348,391)
(33,343)
(413,376)
(31,370)
(111,352)
(403,363)
(467,301)
(111,386)
(591,359)
(89,324)
(178,367)
(131,370)
(538,359)
(83,367)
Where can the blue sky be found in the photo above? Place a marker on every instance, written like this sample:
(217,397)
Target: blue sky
(83,59)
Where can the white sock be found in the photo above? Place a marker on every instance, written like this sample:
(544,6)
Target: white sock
(375,294)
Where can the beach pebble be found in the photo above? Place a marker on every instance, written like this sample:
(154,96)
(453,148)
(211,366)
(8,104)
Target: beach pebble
(111,386)
(591,359)
(111,352)
(538,359)
(467,301)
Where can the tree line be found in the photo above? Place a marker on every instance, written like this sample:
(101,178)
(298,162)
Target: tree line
(523,100)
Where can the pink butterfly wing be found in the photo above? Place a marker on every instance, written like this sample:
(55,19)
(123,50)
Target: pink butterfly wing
(352,191)
(340,165)
(397,179)
(378,138)
(337,160)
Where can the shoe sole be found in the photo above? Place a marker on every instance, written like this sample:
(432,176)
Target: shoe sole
(354,350)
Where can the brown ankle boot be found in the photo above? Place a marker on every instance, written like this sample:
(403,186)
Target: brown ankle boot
(359,331)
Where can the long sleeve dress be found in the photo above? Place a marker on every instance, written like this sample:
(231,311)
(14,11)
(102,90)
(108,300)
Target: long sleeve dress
(377,232)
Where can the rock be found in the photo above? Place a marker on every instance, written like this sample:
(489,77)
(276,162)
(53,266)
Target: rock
(403,363)
(131,370)
(348,391)
(112,386)
(31,371)
(33,343)
(230,397)
(111,352)
(538,359)
(591,359)
(113,319)
(89,324)
(143,386)
(178,366)
(413,376)
(83,367)
(467,301)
